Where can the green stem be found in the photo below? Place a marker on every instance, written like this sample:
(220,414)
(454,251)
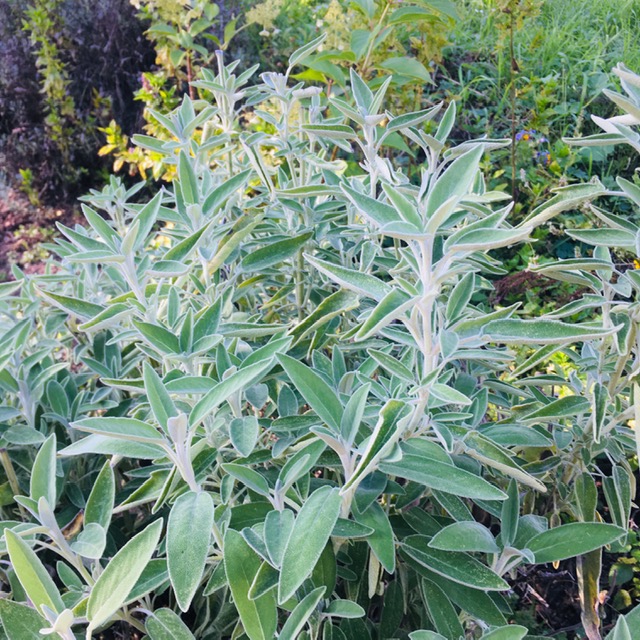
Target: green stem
(374,35)
(513,65)
(299,271)
(10,472)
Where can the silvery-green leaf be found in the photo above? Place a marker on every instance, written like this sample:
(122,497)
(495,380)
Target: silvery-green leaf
(514,331)
(407,210)
(75,306)
(266,579)
(112,588)
(109,317)
(454,565)
(158,337)
(465,536)
(618,491)
(361,283)
(101,226)
(321,398)
(509,632)
(510,515)
(333,305)
(440,610)
(604,237)
(217,580)
(573,539)
(274,253)
(578,264)
(632,190)
(622,630)
(297,619)
(161,404)
(90,542)
(112,446)
(305,51)
(97,257)
(456,181)
(381,541)
(277,529)
(484,239)
(353,413)
(311,531)
(426,635)
(100,502)
(168,269)
(385,434)
(460,297)
(350,529)
(405,120)
(183,249)
(330,131)
(34,578)
(392,306)
(596,140)
(22,434)
(244,434)
(274,346)
(9,288)
(344,609)
(22,621)
(566,198)
(493,455)
(188,536)
(251,478)
(566,407)
(257,395)
(235,383)
(249,330)
(310,191)
(219,195)
(377,212)
(448,394)
(42,483)
(392,365)
(188,179)
(444,477)
(164,624)
(121,428)
(259,616)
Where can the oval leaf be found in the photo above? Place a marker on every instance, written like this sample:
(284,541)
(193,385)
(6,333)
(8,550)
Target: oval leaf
(310,534)
(188,536)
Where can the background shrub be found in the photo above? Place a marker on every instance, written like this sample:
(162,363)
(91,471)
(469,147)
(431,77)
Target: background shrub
(98,52)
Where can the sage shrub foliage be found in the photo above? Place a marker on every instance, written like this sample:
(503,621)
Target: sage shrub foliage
(272,400)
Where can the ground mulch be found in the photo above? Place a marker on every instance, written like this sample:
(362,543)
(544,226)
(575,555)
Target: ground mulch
(23,227)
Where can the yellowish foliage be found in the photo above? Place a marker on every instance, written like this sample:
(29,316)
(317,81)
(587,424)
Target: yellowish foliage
(265,13)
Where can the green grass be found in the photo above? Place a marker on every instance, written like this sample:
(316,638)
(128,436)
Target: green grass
(565,33)
(565,53)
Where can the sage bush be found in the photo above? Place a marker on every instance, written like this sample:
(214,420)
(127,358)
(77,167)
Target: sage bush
(273,400)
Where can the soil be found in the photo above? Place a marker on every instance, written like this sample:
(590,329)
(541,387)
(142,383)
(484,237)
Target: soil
(23,227)
(549,598)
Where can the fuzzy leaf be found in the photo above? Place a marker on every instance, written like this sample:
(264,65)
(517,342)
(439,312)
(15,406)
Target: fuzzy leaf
(188,536)
(119,577)
(310,533)
(573,539)
(258,616)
